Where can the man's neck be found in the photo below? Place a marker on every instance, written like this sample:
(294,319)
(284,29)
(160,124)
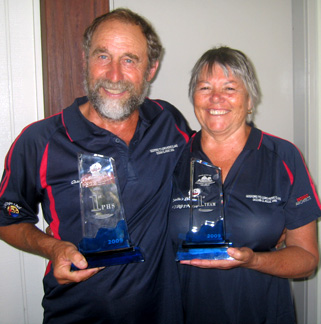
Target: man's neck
(125,129)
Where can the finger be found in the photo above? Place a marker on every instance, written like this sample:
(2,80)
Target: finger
(239,254)
(49,231)
(212,264)
(78,260)
(78,276)
(243,255)
(233,252)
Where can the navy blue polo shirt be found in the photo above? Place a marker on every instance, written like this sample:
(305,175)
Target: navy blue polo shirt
(267,188)
(42,167)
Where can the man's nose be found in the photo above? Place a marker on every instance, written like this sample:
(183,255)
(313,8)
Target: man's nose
(114,72)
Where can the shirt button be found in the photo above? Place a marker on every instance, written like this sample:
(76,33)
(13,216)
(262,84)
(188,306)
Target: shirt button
(117,140)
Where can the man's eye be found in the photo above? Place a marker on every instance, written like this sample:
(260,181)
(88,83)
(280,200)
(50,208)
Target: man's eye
(129,61)
(103,57)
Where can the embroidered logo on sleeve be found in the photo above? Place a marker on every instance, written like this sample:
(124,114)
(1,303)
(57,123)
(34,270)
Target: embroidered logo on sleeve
(303,199)
(12,209)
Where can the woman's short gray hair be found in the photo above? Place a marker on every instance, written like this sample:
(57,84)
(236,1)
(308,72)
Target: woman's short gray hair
(125,15)
(231,59)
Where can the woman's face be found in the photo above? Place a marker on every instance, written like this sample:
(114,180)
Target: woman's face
(221,102)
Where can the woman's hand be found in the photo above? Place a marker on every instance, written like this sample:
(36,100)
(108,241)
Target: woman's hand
(298,259)
(242,257)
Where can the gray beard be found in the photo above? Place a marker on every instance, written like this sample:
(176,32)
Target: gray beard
(113,109)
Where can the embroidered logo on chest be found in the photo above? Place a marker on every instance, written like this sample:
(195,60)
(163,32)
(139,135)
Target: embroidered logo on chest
(264,199)
(164,149)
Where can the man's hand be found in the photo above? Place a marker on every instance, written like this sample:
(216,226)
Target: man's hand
(63,255)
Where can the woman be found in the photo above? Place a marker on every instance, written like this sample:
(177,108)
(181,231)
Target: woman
(266,188)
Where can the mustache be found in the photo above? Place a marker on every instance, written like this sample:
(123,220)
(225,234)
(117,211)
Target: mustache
(121,85)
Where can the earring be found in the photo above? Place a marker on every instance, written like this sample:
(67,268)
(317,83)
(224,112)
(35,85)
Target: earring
(249,111)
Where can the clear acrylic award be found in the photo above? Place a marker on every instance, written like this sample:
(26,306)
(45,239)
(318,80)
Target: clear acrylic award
(105,239)
(206,237)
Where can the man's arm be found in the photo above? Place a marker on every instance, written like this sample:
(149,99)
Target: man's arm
(27,237)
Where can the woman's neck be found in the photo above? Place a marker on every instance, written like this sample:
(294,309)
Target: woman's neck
(223,153)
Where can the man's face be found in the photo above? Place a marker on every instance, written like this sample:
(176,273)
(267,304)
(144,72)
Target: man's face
(117,74)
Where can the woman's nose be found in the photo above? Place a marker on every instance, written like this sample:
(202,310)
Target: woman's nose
(216,96)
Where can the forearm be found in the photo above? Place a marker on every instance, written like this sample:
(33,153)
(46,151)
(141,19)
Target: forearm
(299,259)
(27,237)
(290,262)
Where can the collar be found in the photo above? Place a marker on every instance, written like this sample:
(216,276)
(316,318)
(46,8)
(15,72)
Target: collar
(253,142)
(255,139)
(79,128)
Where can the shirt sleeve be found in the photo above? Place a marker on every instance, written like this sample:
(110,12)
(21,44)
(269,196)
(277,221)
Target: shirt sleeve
(19,196)
(303,205)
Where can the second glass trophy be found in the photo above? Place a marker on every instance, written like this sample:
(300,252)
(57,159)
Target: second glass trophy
(105,239)
(206,237)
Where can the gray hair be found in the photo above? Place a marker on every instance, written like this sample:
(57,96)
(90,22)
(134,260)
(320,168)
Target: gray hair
(231,59)
(154,45)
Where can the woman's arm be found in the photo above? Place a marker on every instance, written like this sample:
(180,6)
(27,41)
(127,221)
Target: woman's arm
(298,259)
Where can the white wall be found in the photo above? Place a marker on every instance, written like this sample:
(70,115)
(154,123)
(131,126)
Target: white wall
(20,104)
(318,84)
(318,98)
(306,54)
(262,29)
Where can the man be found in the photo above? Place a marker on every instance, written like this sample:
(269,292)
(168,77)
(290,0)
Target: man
(145,137)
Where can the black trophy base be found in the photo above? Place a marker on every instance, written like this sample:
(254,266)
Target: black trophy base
(208,251)
(112,257)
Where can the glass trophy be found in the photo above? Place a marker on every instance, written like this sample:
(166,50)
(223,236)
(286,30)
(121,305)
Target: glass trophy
(105,239)
(205,238)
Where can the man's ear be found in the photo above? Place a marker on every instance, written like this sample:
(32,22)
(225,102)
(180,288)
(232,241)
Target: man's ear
(152,71)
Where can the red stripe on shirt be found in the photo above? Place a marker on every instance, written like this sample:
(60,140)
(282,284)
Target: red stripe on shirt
(186,137)
(54,225)
(63,122)
(7,166)
(289,172)
(307,171)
